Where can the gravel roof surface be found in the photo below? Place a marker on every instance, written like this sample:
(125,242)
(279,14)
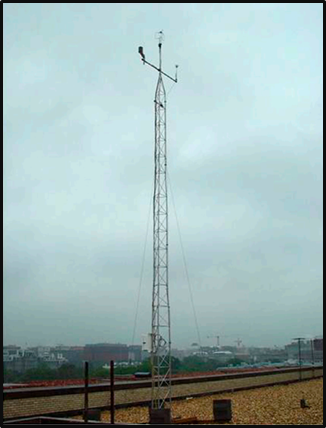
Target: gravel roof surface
(276,405)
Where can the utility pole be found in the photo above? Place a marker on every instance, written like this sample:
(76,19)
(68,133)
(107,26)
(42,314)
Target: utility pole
(161,329)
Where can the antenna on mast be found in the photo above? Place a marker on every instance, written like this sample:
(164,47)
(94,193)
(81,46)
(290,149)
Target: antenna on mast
(176,73)
(160,36)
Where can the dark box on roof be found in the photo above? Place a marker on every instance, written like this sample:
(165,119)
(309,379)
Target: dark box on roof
(222,410)
(159,416)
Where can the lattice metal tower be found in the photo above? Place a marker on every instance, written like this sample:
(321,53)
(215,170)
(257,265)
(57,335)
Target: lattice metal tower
(161,329)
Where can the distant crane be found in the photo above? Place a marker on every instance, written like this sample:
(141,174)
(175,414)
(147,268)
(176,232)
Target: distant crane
(238,342)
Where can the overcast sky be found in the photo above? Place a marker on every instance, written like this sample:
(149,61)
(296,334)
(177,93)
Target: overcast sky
(245,153)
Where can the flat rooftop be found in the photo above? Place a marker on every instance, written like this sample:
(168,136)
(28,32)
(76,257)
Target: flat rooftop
(274,405)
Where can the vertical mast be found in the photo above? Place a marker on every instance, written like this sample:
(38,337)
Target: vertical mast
(161,329)
(161,332)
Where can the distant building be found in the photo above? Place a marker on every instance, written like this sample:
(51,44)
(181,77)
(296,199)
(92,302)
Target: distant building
(11,352)
(135,353)
(318,349)
(222,356)
(73,354)
(41,351)
(206,350)
(232,349)
(21,364)
(243,356)
(310,350)
(19,360)
(265,354)
(181,353)
(105,352)
(145,355)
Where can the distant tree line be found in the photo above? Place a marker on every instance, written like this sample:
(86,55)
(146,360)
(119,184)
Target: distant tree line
(69,371)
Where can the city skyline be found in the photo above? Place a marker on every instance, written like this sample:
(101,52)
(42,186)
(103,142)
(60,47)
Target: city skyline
(208,343)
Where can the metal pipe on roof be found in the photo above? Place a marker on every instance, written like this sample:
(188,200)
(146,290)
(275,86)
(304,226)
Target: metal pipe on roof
(112,391)
(86,392)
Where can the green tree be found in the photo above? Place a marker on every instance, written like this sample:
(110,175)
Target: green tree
(10,376)
(235,361)
(125,370)
(145,366)
(100,372)
(193,363)
(175,364)
(69,371)
(42,372)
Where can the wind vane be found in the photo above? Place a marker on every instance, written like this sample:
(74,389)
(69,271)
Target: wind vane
(160,37)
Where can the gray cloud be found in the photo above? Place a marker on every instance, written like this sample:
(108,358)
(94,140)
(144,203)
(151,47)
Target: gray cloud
(245,164)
